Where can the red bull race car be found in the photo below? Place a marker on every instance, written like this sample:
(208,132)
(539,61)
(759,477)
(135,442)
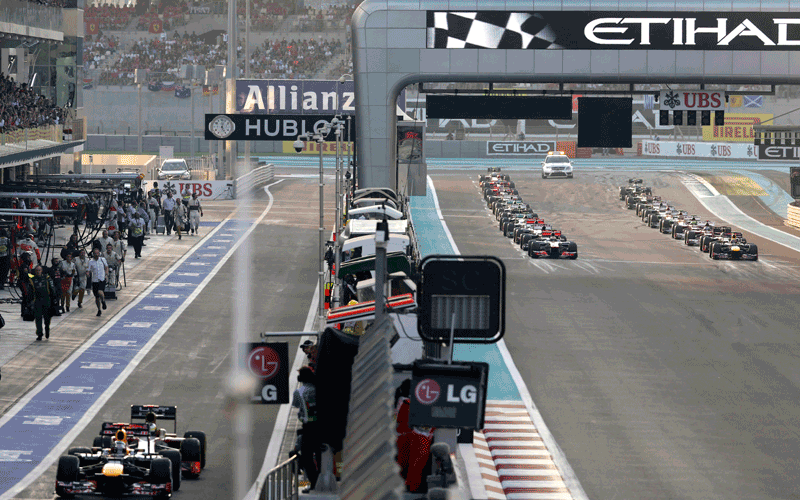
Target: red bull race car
(133,459)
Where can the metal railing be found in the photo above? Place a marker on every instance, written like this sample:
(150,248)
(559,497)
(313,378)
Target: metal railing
(282,482)
(253,179)
(21,137)
(30,14)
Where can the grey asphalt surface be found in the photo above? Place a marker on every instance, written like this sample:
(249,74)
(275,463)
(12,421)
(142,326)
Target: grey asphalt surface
(189,364)
(661,374)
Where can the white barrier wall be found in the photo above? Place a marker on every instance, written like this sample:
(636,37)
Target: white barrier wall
(723,150)
(206,190)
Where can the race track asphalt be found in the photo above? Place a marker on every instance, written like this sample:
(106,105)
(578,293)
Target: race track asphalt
(188,366)
(662,374)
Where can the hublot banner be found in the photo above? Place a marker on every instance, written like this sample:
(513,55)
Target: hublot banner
(581,30)
(237,127)
(512,148)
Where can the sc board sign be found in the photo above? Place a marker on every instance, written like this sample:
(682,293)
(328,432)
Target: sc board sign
(523,148)
(466,293)
(269,364)
(448,396)
(240,127)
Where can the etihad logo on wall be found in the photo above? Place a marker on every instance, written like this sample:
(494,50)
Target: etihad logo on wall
(619,30)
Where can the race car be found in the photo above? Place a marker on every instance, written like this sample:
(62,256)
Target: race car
(645,202)
(552,245)
(527,226)
(670,219)
(493,173)
(692,235)
(685,223)
(634,187)
(733,246)
(716,234)
(133,459)
(654,217)
(531,232)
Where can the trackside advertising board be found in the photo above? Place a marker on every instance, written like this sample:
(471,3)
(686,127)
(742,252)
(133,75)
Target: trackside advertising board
(298,97)
(520,148)
(206,190)
(622,30)
(723,150)
(268,362)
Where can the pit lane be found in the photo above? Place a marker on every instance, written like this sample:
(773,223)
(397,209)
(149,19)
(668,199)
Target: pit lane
(188,366)
(660,373)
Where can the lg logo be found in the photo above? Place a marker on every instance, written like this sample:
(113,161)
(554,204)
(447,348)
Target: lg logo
(428,391)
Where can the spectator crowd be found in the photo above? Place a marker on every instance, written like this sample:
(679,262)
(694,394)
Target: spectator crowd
(286,59)
(21,107)
(98,48)
(109,17)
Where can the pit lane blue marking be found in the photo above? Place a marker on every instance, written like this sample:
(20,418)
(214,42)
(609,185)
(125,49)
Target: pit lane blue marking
(432,239)
(28,436)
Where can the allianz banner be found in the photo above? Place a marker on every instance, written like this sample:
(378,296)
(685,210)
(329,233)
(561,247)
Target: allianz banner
(584,30)
(298,97)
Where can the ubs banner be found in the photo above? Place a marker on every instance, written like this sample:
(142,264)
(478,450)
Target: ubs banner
(582,30)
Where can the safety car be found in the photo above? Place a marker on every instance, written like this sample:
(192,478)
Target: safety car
(556,164)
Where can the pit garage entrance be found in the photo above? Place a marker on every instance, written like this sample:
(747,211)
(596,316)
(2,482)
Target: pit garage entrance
(567,43)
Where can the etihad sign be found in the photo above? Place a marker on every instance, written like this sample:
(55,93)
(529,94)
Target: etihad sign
(685,31)
(631,30)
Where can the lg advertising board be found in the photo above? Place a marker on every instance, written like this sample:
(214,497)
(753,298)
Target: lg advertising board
(268,363)
(448,395)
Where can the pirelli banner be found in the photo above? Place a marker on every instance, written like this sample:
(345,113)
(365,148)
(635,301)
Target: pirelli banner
(738,127)
(584,30)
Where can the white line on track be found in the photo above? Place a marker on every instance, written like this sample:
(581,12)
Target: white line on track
(101,401)
(567,473)
(282,419)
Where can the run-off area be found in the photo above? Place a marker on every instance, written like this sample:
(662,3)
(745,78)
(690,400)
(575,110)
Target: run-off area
(660,373)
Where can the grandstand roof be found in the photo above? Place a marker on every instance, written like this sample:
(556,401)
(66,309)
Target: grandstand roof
(21,153)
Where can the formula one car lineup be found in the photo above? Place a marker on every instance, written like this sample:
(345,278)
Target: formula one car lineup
(133,459)
(519,221)
(719,242)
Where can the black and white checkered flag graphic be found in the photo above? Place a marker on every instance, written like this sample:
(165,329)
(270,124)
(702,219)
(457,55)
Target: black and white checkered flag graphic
(489,30)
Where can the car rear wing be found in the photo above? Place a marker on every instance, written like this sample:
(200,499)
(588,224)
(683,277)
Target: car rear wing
(111,428)
(635,181)
(139,412)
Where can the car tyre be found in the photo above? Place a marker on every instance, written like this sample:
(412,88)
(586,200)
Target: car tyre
(191,452)
(67,471)
(753,250)
(174,456)
(200,436)
(98,442)
(78,449)
(161,472)
(714,253)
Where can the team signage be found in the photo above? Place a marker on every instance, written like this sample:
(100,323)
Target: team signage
(692,100)
(206,190)
(463,296)
(582,30)
(269,363)
(298,97)
(699,150)
(242,127)
(448,396)
(516,148)
(785,152)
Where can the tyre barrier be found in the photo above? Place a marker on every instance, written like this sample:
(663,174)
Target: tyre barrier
(793,218)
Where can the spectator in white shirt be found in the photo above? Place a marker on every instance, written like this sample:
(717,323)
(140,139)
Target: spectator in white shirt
(98,270)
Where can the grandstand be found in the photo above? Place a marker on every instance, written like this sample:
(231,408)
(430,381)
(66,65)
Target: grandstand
(41,116)
(289,39)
